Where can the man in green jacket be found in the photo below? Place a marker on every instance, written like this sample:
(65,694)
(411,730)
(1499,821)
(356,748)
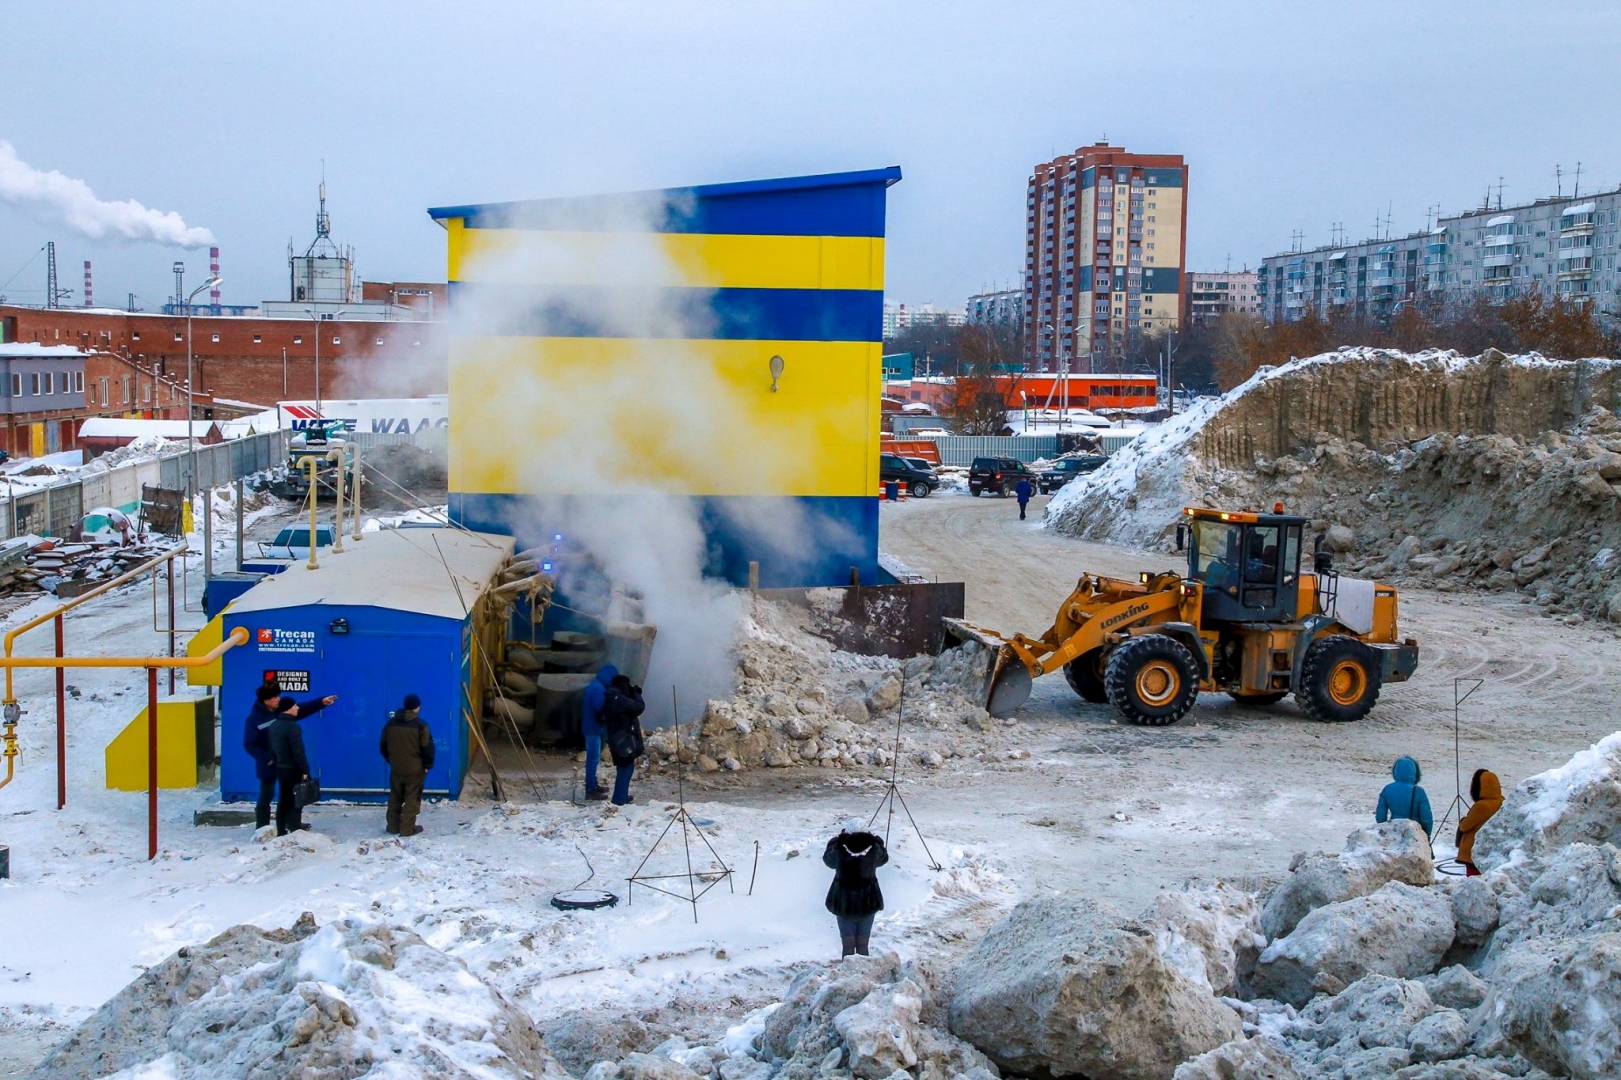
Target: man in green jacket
(407,746)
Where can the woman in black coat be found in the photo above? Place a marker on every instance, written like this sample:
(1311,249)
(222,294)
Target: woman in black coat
(854,897)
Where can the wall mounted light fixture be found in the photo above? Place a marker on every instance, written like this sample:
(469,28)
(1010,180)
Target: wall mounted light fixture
(776,372)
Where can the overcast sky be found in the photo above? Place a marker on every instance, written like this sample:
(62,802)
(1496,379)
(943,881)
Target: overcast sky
(1291,116)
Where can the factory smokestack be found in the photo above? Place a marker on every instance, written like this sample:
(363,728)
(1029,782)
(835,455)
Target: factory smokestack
(214,274)
(88,301)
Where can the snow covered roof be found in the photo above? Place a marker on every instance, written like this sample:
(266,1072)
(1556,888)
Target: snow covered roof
(396,569)
(35,349)
(1582,208)
(1500,219)
(117,427)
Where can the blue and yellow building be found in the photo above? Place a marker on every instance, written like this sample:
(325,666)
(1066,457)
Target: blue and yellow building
(717,345)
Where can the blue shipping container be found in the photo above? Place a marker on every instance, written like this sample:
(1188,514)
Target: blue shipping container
(388,616)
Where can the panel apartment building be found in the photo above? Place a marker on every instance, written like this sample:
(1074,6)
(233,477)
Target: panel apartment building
(1566,247)
(1105,243)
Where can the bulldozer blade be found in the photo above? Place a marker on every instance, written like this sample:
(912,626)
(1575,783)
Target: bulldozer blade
(1009,684)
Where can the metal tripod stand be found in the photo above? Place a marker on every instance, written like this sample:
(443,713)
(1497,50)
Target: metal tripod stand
(692,893)
(892,793)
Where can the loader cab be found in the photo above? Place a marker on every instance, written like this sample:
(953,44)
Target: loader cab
(1248,563)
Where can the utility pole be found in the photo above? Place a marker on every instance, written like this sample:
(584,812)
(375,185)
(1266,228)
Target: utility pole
(50,274)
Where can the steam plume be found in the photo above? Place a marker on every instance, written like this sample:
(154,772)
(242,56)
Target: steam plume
(61,198)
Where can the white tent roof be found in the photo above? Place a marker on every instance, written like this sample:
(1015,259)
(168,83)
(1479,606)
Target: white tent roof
(118,427)
(35,349)
(431,571)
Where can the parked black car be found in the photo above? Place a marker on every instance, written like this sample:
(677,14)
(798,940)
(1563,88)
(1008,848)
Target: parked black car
(999,475)
(917,482)
(1064,470)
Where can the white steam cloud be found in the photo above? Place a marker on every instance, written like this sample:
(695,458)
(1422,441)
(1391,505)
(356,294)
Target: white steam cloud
(630,423)
(55,197)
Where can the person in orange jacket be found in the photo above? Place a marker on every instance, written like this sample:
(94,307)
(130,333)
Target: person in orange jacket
(1486,791)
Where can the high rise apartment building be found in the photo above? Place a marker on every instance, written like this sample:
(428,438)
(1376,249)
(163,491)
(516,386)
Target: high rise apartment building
(1211,296)
(1105,243)
(1568,247)
(1002,307)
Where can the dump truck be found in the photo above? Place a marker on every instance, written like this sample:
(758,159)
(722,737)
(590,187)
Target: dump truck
(1245,619)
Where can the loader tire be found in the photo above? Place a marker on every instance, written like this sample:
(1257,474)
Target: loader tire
(1152,679)
(1339,681)
(1085,676)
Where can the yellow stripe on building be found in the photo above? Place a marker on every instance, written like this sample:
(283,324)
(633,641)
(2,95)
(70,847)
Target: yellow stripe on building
(515,256)
(608,415)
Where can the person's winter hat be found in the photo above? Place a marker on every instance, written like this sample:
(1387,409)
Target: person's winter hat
(411,702)
(853,825)
(267,691)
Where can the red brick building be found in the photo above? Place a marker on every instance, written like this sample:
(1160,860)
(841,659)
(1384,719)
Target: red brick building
(249,359)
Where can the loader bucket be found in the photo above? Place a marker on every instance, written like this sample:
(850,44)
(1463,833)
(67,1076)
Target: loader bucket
(1007,682)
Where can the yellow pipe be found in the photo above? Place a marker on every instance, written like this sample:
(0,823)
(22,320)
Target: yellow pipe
(354,476)
(239,636)
(312,461)
(337,455)
(146,567)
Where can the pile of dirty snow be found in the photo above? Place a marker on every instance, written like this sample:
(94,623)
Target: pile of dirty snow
(349,999)
(802,701)
(1488,472)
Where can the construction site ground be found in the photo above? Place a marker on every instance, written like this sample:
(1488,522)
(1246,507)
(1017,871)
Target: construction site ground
(1067,799)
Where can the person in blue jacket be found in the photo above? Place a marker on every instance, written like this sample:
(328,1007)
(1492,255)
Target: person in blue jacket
(1403,798)
(1023,490)
(269,703)
(596,695)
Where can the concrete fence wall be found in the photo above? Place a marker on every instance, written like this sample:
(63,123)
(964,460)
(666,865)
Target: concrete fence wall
(57,510)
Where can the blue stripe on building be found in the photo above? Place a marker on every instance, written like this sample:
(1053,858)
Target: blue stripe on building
(674,312)
(829,205)
(1162,177)
(1163,279)
(831,533)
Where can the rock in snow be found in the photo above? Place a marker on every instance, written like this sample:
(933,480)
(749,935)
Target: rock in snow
(1209,934)
(339,1001)
(1243,1059)
(1393,851)
(1400,931)
(1559,1004)
(1579,802)
(1066,987)
(881,1031)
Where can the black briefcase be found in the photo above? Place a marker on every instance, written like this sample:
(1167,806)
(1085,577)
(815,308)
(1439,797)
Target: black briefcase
(307,792)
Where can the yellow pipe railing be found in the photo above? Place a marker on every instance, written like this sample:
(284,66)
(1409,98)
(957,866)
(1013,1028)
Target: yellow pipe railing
(13,634)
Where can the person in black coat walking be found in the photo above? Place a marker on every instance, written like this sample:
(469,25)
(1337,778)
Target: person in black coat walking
(268,704)
(622,708)
(854,897)
(292,766)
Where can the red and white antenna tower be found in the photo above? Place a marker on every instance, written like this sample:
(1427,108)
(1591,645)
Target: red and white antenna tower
(214,273)
(88,302)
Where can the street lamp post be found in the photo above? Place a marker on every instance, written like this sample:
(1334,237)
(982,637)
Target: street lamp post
(315,317)
(191,437)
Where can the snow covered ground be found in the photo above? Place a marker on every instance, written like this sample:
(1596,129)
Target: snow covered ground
(95,912)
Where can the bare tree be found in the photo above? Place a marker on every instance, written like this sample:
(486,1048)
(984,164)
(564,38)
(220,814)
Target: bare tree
(987,379)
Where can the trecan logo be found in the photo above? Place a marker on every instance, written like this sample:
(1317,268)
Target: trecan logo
(266,637)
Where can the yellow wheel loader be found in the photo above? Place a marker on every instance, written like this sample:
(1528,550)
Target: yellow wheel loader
(1244,620)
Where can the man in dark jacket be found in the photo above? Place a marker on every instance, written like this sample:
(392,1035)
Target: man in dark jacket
(854,897)
(269,702)
(407,746)
(292,767)
(622,731)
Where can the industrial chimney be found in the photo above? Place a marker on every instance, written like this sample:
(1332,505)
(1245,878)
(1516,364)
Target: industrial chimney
(214,274)
(88,301)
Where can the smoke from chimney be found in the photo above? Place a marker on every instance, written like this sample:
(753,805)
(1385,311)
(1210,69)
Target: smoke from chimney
(57,198)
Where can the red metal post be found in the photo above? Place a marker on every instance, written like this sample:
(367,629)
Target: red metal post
(171,621)
(152,763)
(61,724)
